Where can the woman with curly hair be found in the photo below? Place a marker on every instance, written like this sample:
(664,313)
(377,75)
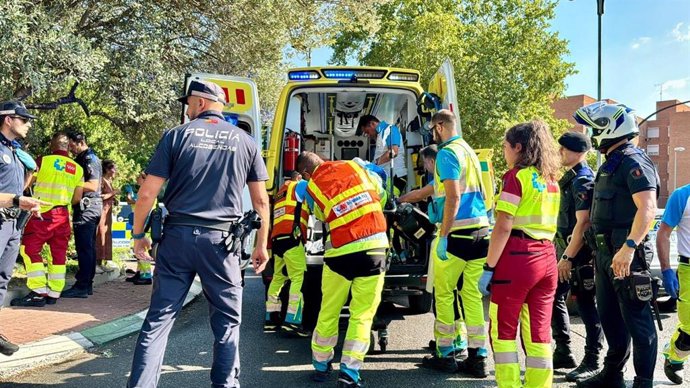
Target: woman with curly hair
(520,271)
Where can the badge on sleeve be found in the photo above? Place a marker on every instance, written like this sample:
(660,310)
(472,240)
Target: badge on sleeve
(583,196)
(6,158)
(636,172)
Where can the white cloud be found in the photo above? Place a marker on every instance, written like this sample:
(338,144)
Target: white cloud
(681,34)
(639,42)
(675,84)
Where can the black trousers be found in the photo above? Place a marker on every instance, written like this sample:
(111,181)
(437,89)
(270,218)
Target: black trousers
(85,244)
(560,321)
(624,319)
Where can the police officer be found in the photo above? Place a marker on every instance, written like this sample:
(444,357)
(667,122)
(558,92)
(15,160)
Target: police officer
(677,215)
(575,258)
(460,248)
(206,162)
(623,209)
(15,122)
(85,215)
(348,197)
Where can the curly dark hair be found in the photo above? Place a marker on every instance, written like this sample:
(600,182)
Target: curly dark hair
(107,165)
(538,148)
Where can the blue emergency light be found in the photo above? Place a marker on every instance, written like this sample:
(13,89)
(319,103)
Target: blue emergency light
(359,74)
(231,118)
(303,75)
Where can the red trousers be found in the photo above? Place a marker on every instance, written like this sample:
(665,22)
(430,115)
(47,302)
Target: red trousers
(54,229)
(522,292)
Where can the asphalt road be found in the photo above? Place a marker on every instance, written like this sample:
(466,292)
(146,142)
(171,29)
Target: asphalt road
(271,361)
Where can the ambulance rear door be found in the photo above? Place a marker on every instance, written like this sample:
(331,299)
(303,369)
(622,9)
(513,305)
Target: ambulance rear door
(442,84)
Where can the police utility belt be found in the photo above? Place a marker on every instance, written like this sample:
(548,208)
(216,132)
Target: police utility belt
(9,213)
(87,202)
(582,274)
(237,230)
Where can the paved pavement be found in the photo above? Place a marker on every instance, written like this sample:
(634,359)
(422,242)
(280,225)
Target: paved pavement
(269,360)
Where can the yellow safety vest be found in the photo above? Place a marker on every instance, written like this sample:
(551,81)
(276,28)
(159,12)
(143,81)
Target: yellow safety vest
(56,180)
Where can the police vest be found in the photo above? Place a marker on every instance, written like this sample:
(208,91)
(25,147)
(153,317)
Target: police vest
(347,198)
(566,215)
(56,180)
(613,206)
(472,210)
(284,210)
(536,211)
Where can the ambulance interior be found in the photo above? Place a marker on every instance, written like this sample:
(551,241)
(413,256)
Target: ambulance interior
(324,121)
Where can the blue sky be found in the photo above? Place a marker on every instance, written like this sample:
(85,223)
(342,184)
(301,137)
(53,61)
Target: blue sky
(645,48)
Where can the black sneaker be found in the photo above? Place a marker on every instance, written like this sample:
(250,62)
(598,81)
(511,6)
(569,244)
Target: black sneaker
(51,300)
(75,292)
(603,379)
(474,365)
(143,281)
(642,383)
(563,359)
(322,377)
(445,364)
(89,290)
(31,300)
(133,277)
(345,381)
(674,371)
(292,330)
(587,368)
(6,347)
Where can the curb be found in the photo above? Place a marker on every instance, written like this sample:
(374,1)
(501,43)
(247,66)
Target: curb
(57,348)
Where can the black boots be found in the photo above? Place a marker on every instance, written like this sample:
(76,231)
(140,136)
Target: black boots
(444,364)
(642,383)
(292,330)
(673,371)
(31,300)
(345,381)
(587,368)
(563,358)
(604,379)
(474,365)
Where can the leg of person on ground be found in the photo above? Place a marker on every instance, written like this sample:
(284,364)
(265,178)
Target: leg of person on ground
(335,290)
(366,296)
(174,276)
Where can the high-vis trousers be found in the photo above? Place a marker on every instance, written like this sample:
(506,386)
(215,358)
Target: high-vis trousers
(448,330)
(295,260)
(54,229)
(366,296)
(678,350)
(522,291)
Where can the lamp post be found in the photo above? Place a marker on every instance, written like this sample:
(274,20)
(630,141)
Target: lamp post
(600,13)
(675,165)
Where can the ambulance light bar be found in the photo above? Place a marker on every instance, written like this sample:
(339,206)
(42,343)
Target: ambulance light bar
(303,75)
(403,77)
(358,74)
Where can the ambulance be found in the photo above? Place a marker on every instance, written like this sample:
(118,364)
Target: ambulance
(318,111)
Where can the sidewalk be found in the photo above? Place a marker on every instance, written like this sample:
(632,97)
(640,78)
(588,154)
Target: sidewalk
(54,332)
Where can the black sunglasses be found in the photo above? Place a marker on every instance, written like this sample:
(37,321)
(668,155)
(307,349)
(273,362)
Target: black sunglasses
(22,118)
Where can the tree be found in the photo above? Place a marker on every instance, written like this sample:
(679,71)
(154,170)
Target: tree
(508,66)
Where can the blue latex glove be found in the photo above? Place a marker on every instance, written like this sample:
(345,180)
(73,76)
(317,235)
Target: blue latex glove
(670,282)
(442,248)
(26,159)
(485,282)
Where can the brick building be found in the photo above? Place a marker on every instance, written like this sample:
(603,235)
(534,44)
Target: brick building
(670,130)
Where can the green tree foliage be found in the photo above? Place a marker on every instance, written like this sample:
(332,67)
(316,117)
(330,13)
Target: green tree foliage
(508,66)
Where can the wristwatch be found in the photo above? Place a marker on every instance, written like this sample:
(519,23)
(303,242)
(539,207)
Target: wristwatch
(138,236)
(15,200)
(631,243)
(487,268)
(566,257)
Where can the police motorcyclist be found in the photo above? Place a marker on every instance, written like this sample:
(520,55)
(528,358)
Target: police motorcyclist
(624,206)
(575,259)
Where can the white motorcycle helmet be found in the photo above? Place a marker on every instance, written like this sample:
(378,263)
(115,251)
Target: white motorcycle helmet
(609,123)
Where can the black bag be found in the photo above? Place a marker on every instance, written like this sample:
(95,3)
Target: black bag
(640,286)
(583,279)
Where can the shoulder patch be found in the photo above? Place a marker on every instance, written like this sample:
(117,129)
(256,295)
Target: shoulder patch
(583,196)
(636,172)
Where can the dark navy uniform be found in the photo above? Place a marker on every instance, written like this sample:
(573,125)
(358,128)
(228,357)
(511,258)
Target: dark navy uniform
(577,186)
(85,220)
(207,163)
(627,171)
(11,181)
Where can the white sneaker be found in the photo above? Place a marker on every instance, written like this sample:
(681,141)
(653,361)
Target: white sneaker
(110,266)
(99,269)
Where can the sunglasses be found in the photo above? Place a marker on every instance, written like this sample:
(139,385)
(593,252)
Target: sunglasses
(23,119)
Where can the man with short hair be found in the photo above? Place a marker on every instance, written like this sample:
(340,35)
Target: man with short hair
(389,148)
(86,215)
(15,122)
(59,180)
(206,162)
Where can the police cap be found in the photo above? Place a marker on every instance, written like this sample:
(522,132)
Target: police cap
(575,141)
(15,108)
(204,89)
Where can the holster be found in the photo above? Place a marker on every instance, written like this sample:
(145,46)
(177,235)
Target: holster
(639,286)
(156,225)
(583,279)
(591,240)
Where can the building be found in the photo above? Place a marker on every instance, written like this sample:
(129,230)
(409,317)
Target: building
(662,138)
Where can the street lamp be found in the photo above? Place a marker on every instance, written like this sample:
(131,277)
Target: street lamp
(600,13)
(675,165)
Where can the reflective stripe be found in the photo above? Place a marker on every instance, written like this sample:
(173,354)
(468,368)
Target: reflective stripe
(471,221)
(273,299)
(475,330)
(295,297)
(272,308)
(321,356)
(539,362)
(378,236)
(57,186)
(56,276)
(41,291)
(35,274)
(445,329)
(354,214)
(351,362)
(476,343)
(510,198)
(292,310)
(541,219)
(444,342)
(505,357)
(54,294)
(324,341)
(351,192)
(355,346)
